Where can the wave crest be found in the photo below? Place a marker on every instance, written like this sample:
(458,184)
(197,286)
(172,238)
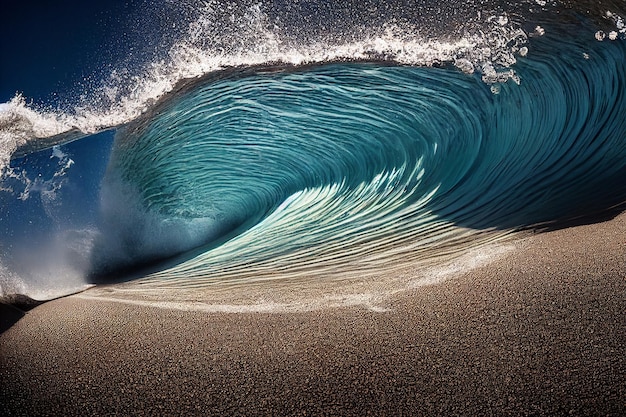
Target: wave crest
(221,35)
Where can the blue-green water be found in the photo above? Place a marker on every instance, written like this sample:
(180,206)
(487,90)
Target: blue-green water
(352,166)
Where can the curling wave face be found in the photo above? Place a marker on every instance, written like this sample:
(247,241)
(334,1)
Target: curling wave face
(274,170)
(360,167)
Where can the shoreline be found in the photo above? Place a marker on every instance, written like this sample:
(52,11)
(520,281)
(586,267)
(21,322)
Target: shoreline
(539,331)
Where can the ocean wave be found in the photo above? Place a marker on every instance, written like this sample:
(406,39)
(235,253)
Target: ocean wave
(266,149)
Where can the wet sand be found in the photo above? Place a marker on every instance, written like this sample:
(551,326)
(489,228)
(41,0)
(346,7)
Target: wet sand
(541,331)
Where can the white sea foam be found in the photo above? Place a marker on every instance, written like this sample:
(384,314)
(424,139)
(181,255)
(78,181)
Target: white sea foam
(20,123)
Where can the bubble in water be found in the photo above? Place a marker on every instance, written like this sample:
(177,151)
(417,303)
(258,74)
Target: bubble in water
(585,55)
(541,2)
(464,65)
(495,89)
(600,35)
(539,31)
(523,51)
(613,35)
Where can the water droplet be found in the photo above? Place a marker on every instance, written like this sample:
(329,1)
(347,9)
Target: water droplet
(523,51)
(495,89)
(600,35)
(613,35)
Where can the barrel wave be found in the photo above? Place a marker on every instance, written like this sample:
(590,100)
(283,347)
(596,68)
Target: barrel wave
(359,167)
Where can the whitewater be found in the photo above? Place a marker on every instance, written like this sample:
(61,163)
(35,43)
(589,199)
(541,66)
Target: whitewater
(296,142)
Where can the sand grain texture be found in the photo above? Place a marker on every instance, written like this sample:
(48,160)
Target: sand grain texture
(540,332)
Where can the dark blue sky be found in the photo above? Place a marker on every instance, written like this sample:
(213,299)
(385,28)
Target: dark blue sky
(49,47)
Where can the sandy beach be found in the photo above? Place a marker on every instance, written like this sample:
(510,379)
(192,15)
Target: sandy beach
(540,331)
